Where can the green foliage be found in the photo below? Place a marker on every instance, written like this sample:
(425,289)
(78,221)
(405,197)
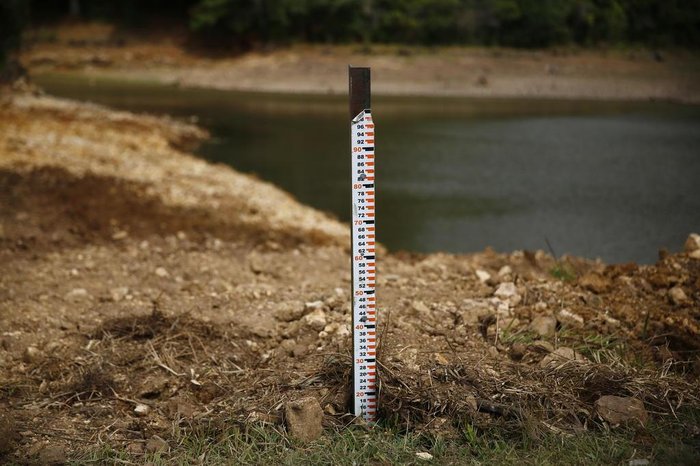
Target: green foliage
(13,15)
(563,272)
(665,442)
(254,21)
(516,23)
(519,23)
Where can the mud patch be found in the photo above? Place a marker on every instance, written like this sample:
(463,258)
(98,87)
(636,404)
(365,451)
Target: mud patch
(50,206)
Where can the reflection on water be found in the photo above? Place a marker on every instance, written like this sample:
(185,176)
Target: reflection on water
(597,179)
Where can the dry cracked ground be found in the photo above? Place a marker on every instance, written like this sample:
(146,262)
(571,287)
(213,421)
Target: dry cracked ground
(144,291)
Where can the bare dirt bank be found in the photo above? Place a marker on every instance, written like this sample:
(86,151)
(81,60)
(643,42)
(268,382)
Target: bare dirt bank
(134,275)
(456,71)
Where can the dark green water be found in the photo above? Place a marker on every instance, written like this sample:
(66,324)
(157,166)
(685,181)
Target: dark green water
(597,179)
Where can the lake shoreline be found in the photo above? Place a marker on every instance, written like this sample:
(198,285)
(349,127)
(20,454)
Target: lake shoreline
(230,114)
(638,75)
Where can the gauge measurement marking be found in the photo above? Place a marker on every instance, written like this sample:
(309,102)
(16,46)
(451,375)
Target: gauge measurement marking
(364,267)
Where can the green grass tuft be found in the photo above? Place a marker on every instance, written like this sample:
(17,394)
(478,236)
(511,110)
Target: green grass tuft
(661,443)
(563,272)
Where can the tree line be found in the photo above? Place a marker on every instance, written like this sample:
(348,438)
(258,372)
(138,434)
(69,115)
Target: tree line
(512,23)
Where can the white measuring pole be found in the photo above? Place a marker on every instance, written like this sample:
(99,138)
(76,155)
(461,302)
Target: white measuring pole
(364,239)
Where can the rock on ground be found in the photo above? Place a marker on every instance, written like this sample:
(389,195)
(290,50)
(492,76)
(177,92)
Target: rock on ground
(304,419)
(617,410)
(7,433)
(507,291)
(156,444)
(544,326)
(677,296)
(595,282)
(316,319)
(53,454)
(692,243)
(561,356)
(566,317)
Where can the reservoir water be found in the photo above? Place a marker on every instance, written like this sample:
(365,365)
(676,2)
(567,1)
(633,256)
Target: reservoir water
(615,180)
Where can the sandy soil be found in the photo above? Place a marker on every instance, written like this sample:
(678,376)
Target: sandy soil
(634,74)
(135,275)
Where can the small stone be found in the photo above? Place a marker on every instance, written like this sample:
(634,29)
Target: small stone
(117,294)
(288,346)
(329,409)
(289,311)
(505,271)
(517,351)
(120,235)
(483,275)
(300,350)
(677,296)
(316,320)
(135,448)
(440,359)
(567,317)
(161,272)
(337,329)
(331,328)
(617,410)
(639,462)
(692,243)
(542,346)
(264,418)
(595,282)
(156,445)
(8,432)
(611,321)
(424,456)
(142,410)
(420,307)
(507,291)
(561,356)
(470,400)
(32,355)
(304,419)
(694,254)
(544,326)
(77,294)
(52,454)
(52,346)
(313,305)
(343,331)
